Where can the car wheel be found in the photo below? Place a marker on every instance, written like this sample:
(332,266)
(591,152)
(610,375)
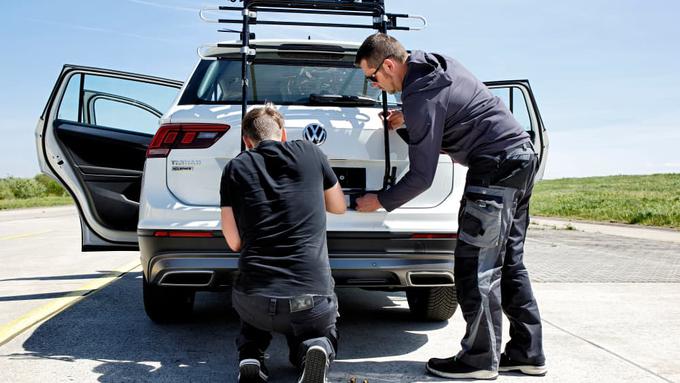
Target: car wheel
(167,304)
(432,303)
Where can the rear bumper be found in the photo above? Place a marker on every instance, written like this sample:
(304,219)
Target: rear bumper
(384,260)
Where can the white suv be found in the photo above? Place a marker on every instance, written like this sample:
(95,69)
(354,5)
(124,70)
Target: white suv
(157,189)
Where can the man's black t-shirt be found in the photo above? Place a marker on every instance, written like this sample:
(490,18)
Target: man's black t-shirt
(276,191)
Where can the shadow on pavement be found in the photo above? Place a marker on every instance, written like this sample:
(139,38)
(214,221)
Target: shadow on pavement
(111,329)
(63,277)
(386,372)
(28,297)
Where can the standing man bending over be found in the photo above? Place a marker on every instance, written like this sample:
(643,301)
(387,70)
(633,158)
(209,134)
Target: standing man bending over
(446,108)
(274,197)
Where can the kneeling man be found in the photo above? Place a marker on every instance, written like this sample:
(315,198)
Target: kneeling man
(274,199)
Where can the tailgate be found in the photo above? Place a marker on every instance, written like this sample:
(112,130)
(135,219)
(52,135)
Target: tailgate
(351,137)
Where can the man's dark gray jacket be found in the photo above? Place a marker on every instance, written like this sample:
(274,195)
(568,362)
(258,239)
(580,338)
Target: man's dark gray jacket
(447,108)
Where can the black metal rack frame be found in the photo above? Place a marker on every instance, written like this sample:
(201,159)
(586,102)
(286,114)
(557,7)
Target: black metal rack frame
(250,9)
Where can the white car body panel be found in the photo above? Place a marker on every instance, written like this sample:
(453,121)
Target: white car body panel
(194,174)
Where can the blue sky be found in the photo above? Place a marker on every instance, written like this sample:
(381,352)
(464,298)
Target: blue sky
(605,73)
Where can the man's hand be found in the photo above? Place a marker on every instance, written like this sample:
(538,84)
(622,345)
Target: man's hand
(368,203)
(395,119)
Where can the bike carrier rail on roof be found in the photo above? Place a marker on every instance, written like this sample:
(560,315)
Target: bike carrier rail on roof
(250,10)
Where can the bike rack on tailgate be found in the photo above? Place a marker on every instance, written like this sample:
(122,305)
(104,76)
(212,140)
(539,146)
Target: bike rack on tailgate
(250,11)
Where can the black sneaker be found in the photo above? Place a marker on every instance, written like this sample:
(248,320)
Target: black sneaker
(509,365)
(252,371)
(455,369)
(315,366)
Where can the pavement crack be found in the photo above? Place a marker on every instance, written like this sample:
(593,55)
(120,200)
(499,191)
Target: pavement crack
(621,357)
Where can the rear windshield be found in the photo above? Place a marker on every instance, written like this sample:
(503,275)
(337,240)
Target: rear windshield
(219,82)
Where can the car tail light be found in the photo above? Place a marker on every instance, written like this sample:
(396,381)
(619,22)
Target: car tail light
(434,236)
(184,136)
(183,234)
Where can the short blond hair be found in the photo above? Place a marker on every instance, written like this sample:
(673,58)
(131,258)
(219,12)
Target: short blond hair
(263,123)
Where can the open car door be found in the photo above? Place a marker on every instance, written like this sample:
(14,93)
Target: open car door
(518,97)
(92,137)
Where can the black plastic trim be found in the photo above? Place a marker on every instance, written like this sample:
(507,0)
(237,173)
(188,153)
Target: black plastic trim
(347,243)
(92,248)
(363,259)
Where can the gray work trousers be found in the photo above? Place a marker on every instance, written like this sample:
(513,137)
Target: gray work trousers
(490,275)
(260,316)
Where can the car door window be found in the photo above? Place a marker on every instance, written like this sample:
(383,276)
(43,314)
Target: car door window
(518,97)
(68,109)
(115,103)
(515,100)
(125,116)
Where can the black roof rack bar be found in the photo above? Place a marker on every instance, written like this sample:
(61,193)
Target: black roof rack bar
(316,11)
(348,12)
(389,176)
(310,11)
(364,5)
(245,66)
(309,24)
(375,9)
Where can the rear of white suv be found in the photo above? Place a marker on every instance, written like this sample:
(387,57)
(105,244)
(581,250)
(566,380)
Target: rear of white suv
(325,100)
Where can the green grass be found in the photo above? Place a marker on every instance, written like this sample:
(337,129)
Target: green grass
(646,200)
(39,191)
(46,201)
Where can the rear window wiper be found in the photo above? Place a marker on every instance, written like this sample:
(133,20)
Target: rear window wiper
(341,99)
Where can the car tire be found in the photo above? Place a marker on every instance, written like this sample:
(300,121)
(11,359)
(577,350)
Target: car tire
(167,304)
(432,303)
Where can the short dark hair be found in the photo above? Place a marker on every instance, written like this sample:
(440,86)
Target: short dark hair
(378,47)
(263,123)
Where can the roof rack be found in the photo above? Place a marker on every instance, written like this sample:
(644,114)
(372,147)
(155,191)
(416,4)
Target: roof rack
(251,9)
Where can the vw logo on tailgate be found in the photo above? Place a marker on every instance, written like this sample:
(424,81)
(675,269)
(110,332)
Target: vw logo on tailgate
(315,133)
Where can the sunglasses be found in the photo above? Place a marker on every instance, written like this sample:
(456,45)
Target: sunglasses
(372,77)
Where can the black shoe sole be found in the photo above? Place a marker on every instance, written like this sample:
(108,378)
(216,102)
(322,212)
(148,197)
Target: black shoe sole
(479,374)
(250,372)
(526,370)
(316,362)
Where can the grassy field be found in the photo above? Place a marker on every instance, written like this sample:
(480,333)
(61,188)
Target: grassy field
(647,200)
(39,191)
(35,202)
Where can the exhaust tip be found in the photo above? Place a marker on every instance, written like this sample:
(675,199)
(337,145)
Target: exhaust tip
(187,278)
(430,278)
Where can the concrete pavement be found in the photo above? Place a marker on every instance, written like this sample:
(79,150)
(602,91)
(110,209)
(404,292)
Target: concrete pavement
(609,306)
(42,268)
(621,230)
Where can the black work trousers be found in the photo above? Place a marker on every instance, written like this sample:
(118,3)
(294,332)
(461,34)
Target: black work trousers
(489,271)
(260,316)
